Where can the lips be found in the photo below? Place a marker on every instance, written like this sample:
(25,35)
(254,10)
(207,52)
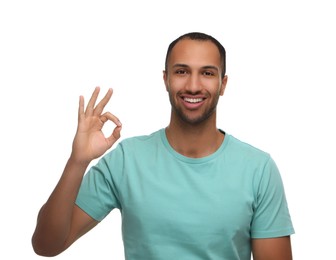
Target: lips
(192,100)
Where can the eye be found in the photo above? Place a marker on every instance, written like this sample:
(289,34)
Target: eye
(181,72)
(208,73)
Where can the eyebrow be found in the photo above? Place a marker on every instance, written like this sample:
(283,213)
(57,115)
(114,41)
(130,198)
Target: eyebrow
(204,67)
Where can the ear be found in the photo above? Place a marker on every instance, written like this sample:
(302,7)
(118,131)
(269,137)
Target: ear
(223,85)
(165,79)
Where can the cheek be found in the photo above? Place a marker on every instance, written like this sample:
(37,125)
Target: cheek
(175,84)
(212,85)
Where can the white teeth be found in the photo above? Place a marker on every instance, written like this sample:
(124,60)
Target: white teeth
(193,100)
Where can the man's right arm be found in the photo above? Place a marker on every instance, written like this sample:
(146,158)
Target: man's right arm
(60,222)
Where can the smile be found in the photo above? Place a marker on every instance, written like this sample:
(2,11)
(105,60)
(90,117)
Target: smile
(193,100)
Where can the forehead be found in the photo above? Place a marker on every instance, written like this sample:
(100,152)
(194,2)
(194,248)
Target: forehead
(195,52)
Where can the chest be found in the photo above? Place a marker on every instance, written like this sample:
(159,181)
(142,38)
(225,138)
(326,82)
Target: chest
(189,202)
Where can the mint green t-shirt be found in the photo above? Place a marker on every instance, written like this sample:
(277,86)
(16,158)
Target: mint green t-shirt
(175,207)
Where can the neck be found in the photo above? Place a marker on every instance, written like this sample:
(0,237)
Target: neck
(194,140)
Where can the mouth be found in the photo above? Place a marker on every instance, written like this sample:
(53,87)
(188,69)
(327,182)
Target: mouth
(193,100)
(193,103)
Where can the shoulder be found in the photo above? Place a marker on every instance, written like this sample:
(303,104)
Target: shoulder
(139,144)
(131,149)
(244,150)
(141,139)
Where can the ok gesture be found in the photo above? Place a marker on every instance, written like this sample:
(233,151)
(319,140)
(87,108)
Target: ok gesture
(90,142)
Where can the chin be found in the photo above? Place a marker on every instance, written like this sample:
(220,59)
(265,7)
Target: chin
(196,120)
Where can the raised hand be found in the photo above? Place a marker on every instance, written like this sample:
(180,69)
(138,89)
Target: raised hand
(90,142)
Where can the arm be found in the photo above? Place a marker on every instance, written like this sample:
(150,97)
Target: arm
(272,248)
(60,222)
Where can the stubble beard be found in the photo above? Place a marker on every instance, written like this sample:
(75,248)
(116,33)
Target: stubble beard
(197,120)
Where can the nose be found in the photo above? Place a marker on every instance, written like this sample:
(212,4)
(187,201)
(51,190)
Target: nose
(194,84)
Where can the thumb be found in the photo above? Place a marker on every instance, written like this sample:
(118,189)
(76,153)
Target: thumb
(114,136)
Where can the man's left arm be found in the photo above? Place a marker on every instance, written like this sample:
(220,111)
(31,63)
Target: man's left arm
(278,248)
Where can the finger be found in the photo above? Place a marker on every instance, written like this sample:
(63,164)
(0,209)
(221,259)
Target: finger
(114,136)
(81,108)
(116,132)
(108,116)
(101,105)
(90,106)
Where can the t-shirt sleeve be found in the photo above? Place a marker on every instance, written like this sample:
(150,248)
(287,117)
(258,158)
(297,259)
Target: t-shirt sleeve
(271,216)
(98,194)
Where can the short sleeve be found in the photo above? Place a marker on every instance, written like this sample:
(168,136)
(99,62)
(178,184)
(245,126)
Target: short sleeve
(98,194)
(271,216)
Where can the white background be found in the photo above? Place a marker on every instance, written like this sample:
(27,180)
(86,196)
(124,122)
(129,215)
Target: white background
(280,97)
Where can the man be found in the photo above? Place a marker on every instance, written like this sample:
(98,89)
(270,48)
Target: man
(188,191)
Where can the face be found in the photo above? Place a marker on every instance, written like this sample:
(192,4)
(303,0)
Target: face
(193,80)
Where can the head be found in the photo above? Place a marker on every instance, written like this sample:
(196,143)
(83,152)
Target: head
(197,36)
(195,77)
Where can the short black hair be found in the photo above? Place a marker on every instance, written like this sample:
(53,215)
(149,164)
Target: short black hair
(198,36)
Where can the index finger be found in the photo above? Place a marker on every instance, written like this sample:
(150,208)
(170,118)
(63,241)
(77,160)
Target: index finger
(108,116)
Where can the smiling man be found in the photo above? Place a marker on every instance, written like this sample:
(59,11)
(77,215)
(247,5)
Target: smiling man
(188,191)
(198,83)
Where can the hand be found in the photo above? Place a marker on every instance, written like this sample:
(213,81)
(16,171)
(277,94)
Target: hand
(89,142)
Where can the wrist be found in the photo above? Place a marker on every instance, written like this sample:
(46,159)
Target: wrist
(79,162)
